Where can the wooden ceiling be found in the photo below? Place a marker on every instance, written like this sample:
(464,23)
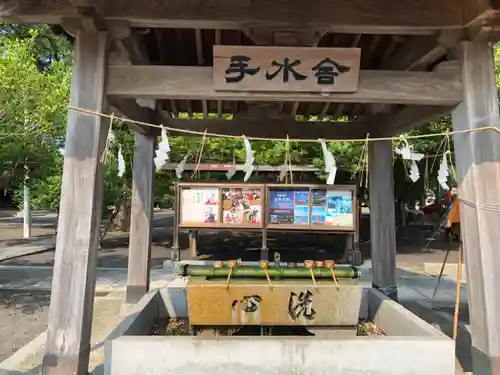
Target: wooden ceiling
(394,35)
(194,47)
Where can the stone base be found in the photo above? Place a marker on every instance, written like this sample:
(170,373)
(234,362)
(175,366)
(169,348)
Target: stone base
(410,345)
(483,364)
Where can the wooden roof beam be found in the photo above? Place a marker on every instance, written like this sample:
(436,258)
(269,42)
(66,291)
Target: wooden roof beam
(399,121)
(349,16)
(130,109)
(196,83)
(269,128)
(418,52)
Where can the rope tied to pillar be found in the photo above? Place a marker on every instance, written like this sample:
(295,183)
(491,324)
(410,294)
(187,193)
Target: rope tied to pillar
(110,139)
(492,207)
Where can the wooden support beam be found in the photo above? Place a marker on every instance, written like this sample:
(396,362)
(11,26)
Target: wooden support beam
(402,120)
(270,128)
(196,83)
(130,109)
(416,53)
(139,259)
(382,217)
(478,169)
(71,306)
(326,106)
(135,49)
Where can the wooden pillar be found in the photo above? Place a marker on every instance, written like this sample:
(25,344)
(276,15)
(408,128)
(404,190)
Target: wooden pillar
(139,253)
(382,217)
(71,306)
(478,168)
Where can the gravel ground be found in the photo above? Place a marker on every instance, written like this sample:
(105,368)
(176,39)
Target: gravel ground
(23,316)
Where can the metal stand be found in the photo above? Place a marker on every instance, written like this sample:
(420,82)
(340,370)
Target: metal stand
(459,271)
(434,235)
(176,252)
(193,243)
(264,251)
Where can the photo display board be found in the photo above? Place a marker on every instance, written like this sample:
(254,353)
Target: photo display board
(242,206)
(200,205)
(274,206)
(315,208)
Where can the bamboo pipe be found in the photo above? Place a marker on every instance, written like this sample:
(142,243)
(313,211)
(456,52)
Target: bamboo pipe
(344,272)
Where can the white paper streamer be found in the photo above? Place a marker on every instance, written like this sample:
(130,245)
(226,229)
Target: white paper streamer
(407,153)
(162,153)
(121,163)
(111,136)
(414,172)
(283,172)
(180,167)
(249,159)
(443,173)
(231,171)
(330,164)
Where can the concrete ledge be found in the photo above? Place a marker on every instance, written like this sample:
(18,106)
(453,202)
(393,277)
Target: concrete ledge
(279,356)
(411,346)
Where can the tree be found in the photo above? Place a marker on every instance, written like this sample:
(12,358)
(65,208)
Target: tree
(33,107)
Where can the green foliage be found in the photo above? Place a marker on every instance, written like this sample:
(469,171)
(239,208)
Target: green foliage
(33,107)
(35,73)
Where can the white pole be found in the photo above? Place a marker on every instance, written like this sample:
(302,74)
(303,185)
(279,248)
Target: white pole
(26,212)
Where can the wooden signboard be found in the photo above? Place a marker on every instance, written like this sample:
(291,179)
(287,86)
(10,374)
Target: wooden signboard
(298,69)
(228,205)
(271,206)
(311,207)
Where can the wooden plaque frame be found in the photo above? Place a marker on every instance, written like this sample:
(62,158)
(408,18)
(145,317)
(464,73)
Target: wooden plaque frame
(220,186)
(309,227)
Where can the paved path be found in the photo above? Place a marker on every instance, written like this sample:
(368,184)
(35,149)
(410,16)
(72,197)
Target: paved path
(29,248)
(40,278)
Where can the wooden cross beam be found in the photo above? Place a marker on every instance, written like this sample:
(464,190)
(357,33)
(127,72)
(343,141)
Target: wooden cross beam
(181,82)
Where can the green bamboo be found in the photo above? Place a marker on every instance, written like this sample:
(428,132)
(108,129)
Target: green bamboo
(343,272)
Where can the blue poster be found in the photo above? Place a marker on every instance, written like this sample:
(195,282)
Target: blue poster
(318,214)
(289,206)
(339,208)
(301,207)
(281,206)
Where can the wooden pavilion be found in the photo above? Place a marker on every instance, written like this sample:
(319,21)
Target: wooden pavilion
(420,59)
